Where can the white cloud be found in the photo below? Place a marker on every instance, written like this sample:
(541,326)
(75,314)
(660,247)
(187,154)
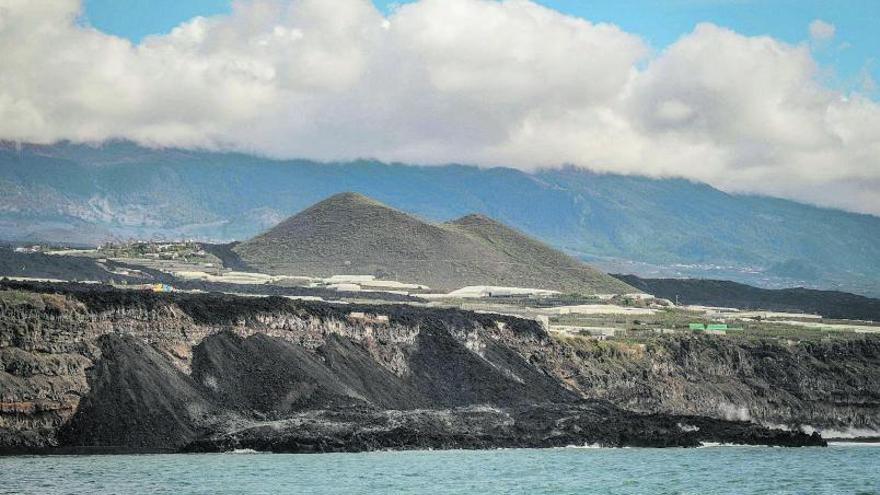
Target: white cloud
(477,81)
(821,30)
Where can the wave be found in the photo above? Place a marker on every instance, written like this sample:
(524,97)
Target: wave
(853,444)
(850,433)
(243,451)
(707,445)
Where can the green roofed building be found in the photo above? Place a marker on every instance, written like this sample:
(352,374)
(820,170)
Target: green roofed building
(710,326)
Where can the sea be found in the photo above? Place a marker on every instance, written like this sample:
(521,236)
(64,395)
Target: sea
(838,469)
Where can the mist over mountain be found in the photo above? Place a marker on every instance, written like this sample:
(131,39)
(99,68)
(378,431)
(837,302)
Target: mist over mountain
(669,227)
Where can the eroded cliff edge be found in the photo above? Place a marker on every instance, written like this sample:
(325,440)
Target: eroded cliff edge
(94,367)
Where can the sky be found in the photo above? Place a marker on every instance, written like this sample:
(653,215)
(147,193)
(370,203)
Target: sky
(769,97)
(849,58)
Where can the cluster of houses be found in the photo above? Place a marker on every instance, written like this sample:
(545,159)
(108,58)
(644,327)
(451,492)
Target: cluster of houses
(36,248)
(180,250)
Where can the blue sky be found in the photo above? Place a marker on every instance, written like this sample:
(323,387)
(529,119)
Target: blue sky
(852,53)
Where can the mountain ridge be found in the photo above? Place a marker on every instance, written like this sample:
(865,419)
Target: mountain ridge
(650,227)
(349,233)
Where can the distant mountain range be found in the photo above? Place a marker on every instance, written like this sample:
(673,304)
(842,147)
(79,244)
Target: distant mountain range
(350,233)
(652,227)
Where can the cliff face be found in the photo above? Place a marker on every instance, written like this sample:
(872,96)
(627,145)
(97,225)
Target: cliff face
(831,386)
(90,367)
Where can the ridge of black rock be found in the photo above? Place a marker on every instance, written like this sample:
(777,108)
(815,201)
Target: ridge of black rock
(531,426)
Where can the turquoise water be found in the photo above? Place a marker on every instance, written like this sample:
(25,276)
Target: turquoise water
(705,471)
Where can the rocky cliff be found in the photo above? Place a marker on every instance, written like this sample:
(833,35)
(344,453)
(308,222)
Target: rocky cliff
(86,367)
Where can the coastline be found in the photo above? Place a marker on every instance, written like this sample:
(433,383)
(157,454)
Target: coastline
(140,372)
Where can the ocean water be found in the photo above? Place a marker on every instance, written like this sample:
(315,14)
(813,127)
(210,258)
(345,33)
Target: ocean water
(839,469)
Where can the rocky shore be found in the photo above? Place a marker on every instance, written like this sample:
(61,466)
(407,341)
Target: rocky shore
(93,369)
(587,423)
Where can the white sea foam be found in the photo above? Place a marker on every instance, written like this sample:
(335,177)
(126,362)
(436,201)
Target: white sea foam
(845,433)
(705,445)
(854,444)
(243,451)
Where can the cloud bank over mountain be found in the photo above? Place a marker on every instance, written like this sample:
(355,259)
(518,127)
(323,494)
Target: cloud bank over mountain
(474,81)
